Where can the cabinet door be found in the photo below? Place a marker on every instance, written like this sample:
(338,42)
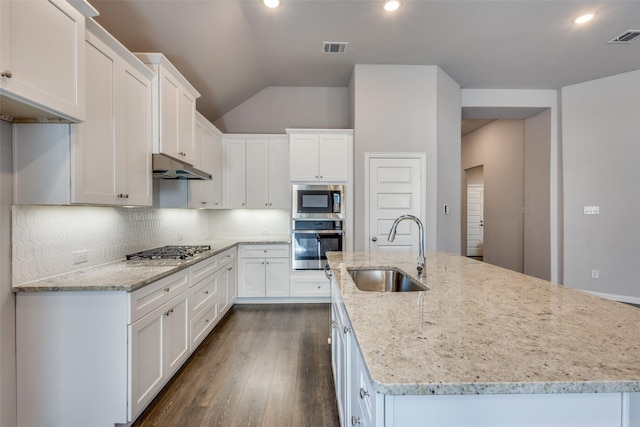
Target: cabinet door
(146,367)
(94,150)
(186,124)
(257,164)
(216,174)
(224,277)
(232,284)
(234,174)
(168,110)
(333,158)
(42,45)
(176,334)
(252,281)
(135,138)
(277,277)
(304,158)
(279,187)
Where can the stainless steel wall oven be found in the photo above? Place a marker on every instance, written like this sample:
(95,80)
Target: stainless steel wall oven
(312,239)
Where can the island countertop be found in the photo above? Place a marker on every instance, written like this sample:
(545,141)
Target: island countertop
(482,329)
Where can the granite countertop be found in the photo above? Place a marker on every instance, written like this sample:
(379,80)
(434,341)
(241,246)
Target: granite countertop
(128,276)
(482,329)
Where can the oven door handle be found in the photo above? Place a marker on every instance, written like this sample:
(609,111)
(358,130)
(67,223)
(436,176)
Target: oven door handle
(340,232)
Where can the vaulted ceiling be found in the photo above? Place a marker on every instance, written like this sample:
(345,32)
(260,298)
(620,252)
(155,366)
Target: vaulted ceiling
(232,49)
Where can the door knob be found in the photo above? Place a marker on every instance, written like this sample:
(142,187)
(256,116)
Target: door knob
(374,239)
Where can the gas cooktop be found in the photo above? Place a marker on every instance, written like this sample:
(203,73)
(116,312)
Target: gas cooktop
(169,252)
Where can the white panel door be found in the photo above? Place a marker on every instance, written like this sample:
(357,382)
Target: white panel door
(257,173)
(475,219)
(395,188)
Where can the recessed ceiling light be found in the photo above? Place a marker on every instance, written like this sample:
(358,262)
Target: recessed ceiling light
(584,18)
(271,3)
(391,5)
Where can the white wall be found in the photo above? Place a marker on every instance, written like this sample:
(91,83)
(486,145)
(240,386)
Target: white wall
(7,299)
(601,155)
(449,159)
(537,182)
(400,108)
(276,108)
(499,148)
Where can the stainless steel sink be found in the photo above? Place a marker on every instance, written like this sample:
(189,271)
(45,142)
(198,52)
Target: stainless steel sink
(384,280)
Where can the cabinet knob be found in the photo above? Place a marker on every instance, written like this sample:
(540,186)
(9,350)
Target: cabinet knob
(126,196)
(166,289)
(355,420)
(321,176)
(6,73)
(269,204)
(363,393)
(374,239)
(346,330)
(206,292)
(266,204)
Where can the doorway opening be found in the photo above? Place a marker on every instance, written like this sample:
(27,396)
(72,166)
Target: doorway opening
(475,212)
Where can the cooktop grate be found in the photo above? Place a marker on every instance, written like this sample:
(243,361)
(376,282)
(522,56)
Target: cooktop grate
(169,252)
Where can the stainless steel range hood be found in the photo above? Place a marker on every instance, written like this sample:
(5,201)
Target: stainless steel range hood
(165,167)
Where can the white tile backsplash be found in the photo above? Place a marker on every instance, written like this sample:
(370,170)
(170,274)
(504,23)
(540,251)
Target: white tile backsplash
(44,238)
(250,223)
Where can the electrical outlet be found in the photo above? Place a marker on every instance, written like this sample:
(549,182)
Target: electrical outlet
(80,257)
(595,274)
(592,210)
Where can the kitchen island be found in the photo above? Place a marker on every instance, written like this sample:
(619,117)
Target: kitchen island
(484,346)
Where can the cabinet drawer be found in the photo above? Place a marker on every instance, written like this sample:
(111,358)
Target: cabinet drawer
(264,251)
(145,300)
(203,269)
(203,293)
(310,288)
(202,324)
(224,258)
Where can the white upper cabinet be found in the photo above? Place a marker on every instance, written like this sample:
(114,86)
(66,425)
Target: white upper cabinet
(175,110)
(320,155)
(255,172)
(42,60)
(205,194)
(234,178)
(107,159)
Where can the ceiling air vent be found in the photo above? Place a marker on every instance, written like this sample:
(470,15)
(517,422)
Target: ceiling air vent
(626,37)
(334,47)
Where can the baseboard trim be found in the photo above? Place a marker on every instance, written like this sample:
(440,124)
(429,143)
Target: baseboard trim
(616,297)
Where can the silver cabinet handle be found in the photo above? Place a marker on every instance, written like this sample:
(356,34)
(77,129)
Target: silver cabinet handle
(363,393)
(6,73)
(346,330)
(354,420)
(166,289)
(327,271)
(374,239)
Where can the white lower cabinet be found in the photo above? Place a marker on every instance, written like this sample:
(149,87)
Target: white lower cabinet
(312,284)
(159,344)
(209,295)
(264,271)
(98,358)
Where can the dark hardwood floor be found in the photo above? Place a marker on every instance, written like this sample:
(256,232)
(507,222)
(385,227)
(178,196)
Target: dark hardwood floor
(263,365)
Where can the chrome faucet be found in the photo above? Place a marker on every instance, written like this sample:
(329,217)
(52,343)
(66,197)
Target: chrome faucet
(392,236)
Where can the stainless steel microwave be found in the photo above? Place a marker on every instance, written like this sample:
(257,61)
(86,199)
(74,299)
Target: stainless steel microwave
(318,202)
